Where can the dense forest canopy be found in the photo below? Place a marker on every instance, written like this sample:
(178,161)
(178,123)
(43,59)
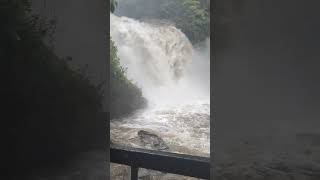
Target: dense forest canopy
(189,16)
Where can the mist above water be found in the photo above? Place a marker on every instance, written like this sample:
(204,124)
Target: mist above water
(161,60)
(174,77)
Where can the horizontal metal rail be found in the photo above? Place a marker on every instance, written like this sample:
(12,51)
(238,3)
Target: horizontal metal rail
(186,165)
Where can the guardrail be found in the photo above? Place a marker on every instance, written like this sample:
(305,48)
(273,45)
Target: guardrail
(181,164)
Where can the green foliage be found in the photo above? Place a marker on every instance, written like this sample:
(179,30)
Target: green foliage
(189,16)
(52,110)
(125,96)
(113,4)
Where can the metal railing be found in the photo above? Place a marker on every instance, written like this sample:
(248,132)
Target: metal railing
(181,164)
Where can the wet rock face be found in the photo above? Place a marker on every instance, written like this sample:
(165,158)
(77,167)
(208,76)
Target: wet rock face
(152,141)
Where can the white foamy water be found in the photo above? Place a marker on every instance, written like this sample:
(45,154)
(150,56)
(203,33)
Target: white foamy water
(175,79)
(184,128)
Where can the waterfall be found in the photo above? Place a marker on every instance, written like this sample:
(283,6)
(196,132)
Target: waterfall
(174,77)
(156,55)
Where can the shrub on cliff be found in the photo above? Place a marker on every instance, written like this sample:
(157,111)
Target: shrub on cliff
(125,97)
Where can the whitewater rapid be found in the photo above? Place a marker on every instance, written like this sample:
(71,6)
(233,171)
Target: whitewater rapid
(175,79)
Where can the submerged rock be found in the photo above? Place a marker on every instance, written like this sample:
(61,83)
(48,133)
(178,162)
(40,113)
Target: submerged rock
(152,141)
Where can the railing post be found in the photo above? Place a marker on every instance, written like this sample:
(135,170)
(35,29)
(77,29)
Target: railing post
(134,173)
(173,163)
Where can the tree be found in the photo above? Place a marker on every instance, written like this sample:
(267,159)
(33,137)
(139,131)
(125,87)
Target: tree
(188,16)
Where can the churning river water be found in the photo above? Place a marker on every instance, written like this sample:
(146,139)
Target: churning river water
(174,77)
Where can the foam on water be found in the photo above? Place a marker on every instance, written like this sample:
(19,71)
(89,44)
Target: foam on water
(175,79)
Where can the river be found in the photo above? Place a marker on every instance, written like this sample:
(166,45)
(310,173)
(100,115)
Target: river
(174,77)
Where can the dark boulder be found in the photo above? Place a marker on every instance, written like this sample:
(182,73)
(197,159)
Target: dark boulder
(152,141)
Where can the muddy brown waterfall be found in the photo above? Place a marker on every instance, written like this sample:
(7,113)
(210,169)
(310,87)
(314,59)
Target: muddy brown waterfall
(174,76)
